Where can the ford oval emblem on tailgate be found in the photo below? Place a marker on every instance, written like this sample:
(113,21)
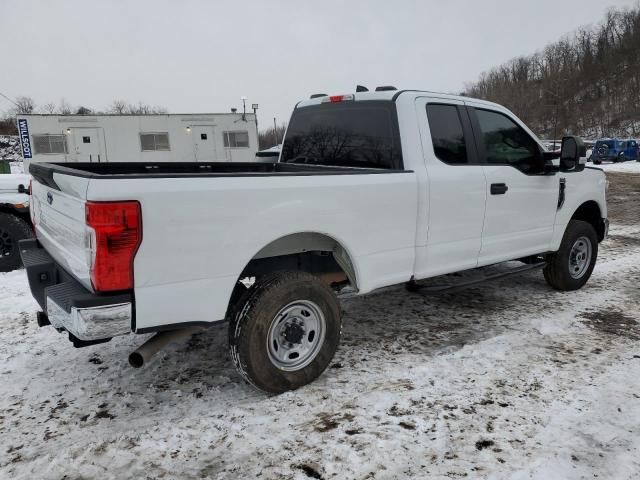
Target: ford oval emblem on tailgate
(49,198)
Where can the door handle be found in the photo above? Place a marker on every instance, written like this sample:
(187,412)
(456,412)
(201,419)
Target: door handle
(499,188)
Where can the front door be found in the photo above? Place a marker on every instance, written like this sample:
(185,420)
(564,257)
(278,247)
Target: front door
(452,201)
(89,145)
(204,145)
(521,200)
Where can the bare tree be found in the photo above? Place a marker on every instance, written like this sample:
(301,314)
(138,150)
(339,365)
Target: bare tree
(64,108)
(118,106)
(24,105)
(586,83)
(49,108)
(122,107)
(271,137)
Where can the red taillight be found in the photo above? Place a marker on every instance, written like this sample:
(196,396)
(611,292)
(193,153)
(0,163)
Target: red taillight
(116,233)
(337,98)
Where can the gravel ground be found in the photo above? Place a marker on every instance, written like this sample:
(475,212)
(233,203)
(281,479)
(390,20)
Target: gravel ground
(505,380)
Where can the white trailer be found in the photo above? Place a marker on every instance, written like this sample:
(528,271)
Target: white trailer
(201,137)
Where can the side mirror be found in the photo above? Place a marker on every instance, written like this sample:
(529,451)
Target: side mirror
(22,189)
(572,154)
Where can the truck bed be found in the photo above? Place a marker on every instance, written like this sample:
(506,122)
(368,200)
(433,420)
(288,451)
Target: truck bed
(44,171)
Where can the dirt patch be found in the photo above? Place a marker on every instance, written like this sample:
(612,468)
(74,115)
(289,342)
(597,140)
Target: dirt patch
(309,471)
(624,240)
(330,421)
(482,444)
(623,198)
(612,322)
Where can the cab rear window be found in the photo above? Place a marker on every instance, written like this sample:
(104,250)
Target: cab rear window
(351,134)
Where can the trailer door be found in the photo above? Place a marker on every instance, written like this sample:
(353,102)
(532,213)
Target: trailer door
(204,145)
(89,145)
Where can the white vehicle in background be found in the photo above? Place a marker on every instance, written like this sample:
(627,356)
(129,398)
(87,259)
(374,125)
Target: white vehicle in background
(371,190)
(14,218)
(269,155)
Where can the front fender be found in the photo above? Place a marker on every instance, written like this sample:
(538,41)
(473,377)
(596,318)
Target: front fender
(581,187)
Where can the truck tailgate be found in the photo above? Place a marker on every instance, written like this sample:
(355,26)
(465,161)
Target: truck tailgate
(58,212)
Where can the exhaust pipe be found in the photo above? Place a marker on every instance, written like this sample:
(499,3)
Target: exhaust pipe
(148,349)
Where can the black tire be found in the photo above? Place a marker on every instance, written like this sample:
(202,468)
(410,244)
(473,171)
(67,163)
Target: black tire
(257,311)
(622,158)
(12,230)
(597,162)
(560,272)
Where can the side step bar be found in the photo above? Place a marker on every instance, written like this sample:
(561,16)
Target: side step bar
(413,286)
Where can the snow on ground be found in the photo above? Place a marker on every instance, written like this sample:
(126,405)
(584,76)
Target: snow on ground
(630,166)
(504,380)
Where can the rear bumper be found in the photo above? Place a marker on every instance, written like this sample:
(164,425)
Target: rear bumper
(88,317)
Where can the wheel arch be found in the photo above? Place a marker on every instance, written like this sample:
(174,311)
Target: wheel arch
(318,253)
(590,212)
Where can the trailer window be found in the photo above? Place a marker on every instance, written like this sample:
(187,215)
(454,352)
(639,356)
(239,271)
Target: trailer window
(351,134)
(46,144)
(236,139)
(150,142)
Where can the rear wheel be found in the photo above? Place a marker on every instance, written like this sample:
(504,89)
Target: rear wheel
(597,162)
(12,230)
(284,331)
(570,267)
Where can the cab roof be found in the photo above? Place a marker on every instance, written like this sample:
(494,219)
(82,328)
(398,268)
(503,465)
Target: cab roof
(392,95)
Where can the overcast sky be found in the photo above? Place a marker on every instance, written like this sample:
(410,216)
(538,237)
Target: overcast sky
(202,56)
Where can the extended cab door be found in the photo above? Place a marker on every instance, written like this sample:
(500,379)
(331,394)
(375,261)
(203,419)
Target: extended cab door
(454,191)
(521,200)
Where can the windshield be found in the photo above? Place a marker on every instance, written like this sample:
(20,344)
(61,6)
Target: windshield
(351,134)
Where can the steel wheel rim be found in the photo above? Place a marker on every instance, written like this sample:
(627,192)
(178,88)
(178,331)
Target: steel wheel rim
(6,243)
(296,335)
(580,257)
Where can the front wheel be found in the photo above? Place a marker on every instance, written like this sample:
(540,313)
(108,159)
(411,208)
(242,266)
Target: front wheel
(570,267)
(284,331)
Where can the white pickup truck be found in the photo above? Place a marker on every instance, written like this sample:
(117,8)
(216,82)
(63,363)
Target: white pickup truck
(371,190)
(14,218)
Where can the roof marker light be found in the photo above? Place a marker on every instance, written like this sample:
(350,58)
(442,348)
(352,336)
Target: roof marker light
(338,98)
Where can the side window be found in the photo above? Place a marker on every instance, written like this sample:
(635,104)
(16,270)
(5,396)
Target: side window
(50,143)
(506,143)
(447,134)
(238,139)
(150,142)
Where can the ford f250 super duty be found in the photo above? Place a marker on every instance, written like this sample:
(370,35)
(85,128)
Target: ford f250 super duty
(371,189)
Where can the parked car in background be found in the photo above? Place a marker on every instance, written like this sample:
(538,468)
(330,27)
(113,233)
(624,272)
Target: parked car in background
(269,155)
(615,150)
(14,216)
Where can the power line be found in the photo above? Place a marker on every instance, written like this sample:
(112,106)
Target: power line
(3,95)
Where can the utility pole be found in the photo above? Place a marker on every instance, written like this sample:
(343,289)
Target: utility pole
(254,106)
(244,108)
(275,130)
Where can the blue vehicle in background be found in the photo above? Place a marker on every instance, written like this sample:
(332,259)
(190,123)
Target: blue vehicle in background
(615,150)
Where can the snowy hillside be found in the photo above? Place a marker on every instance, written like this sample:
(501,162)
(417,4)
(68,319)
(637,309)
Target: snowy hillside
(10,148)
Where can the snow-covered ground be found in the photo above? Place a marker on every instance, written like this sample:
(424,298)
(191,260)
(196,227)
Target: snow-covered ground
(630,166)
(505,380)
